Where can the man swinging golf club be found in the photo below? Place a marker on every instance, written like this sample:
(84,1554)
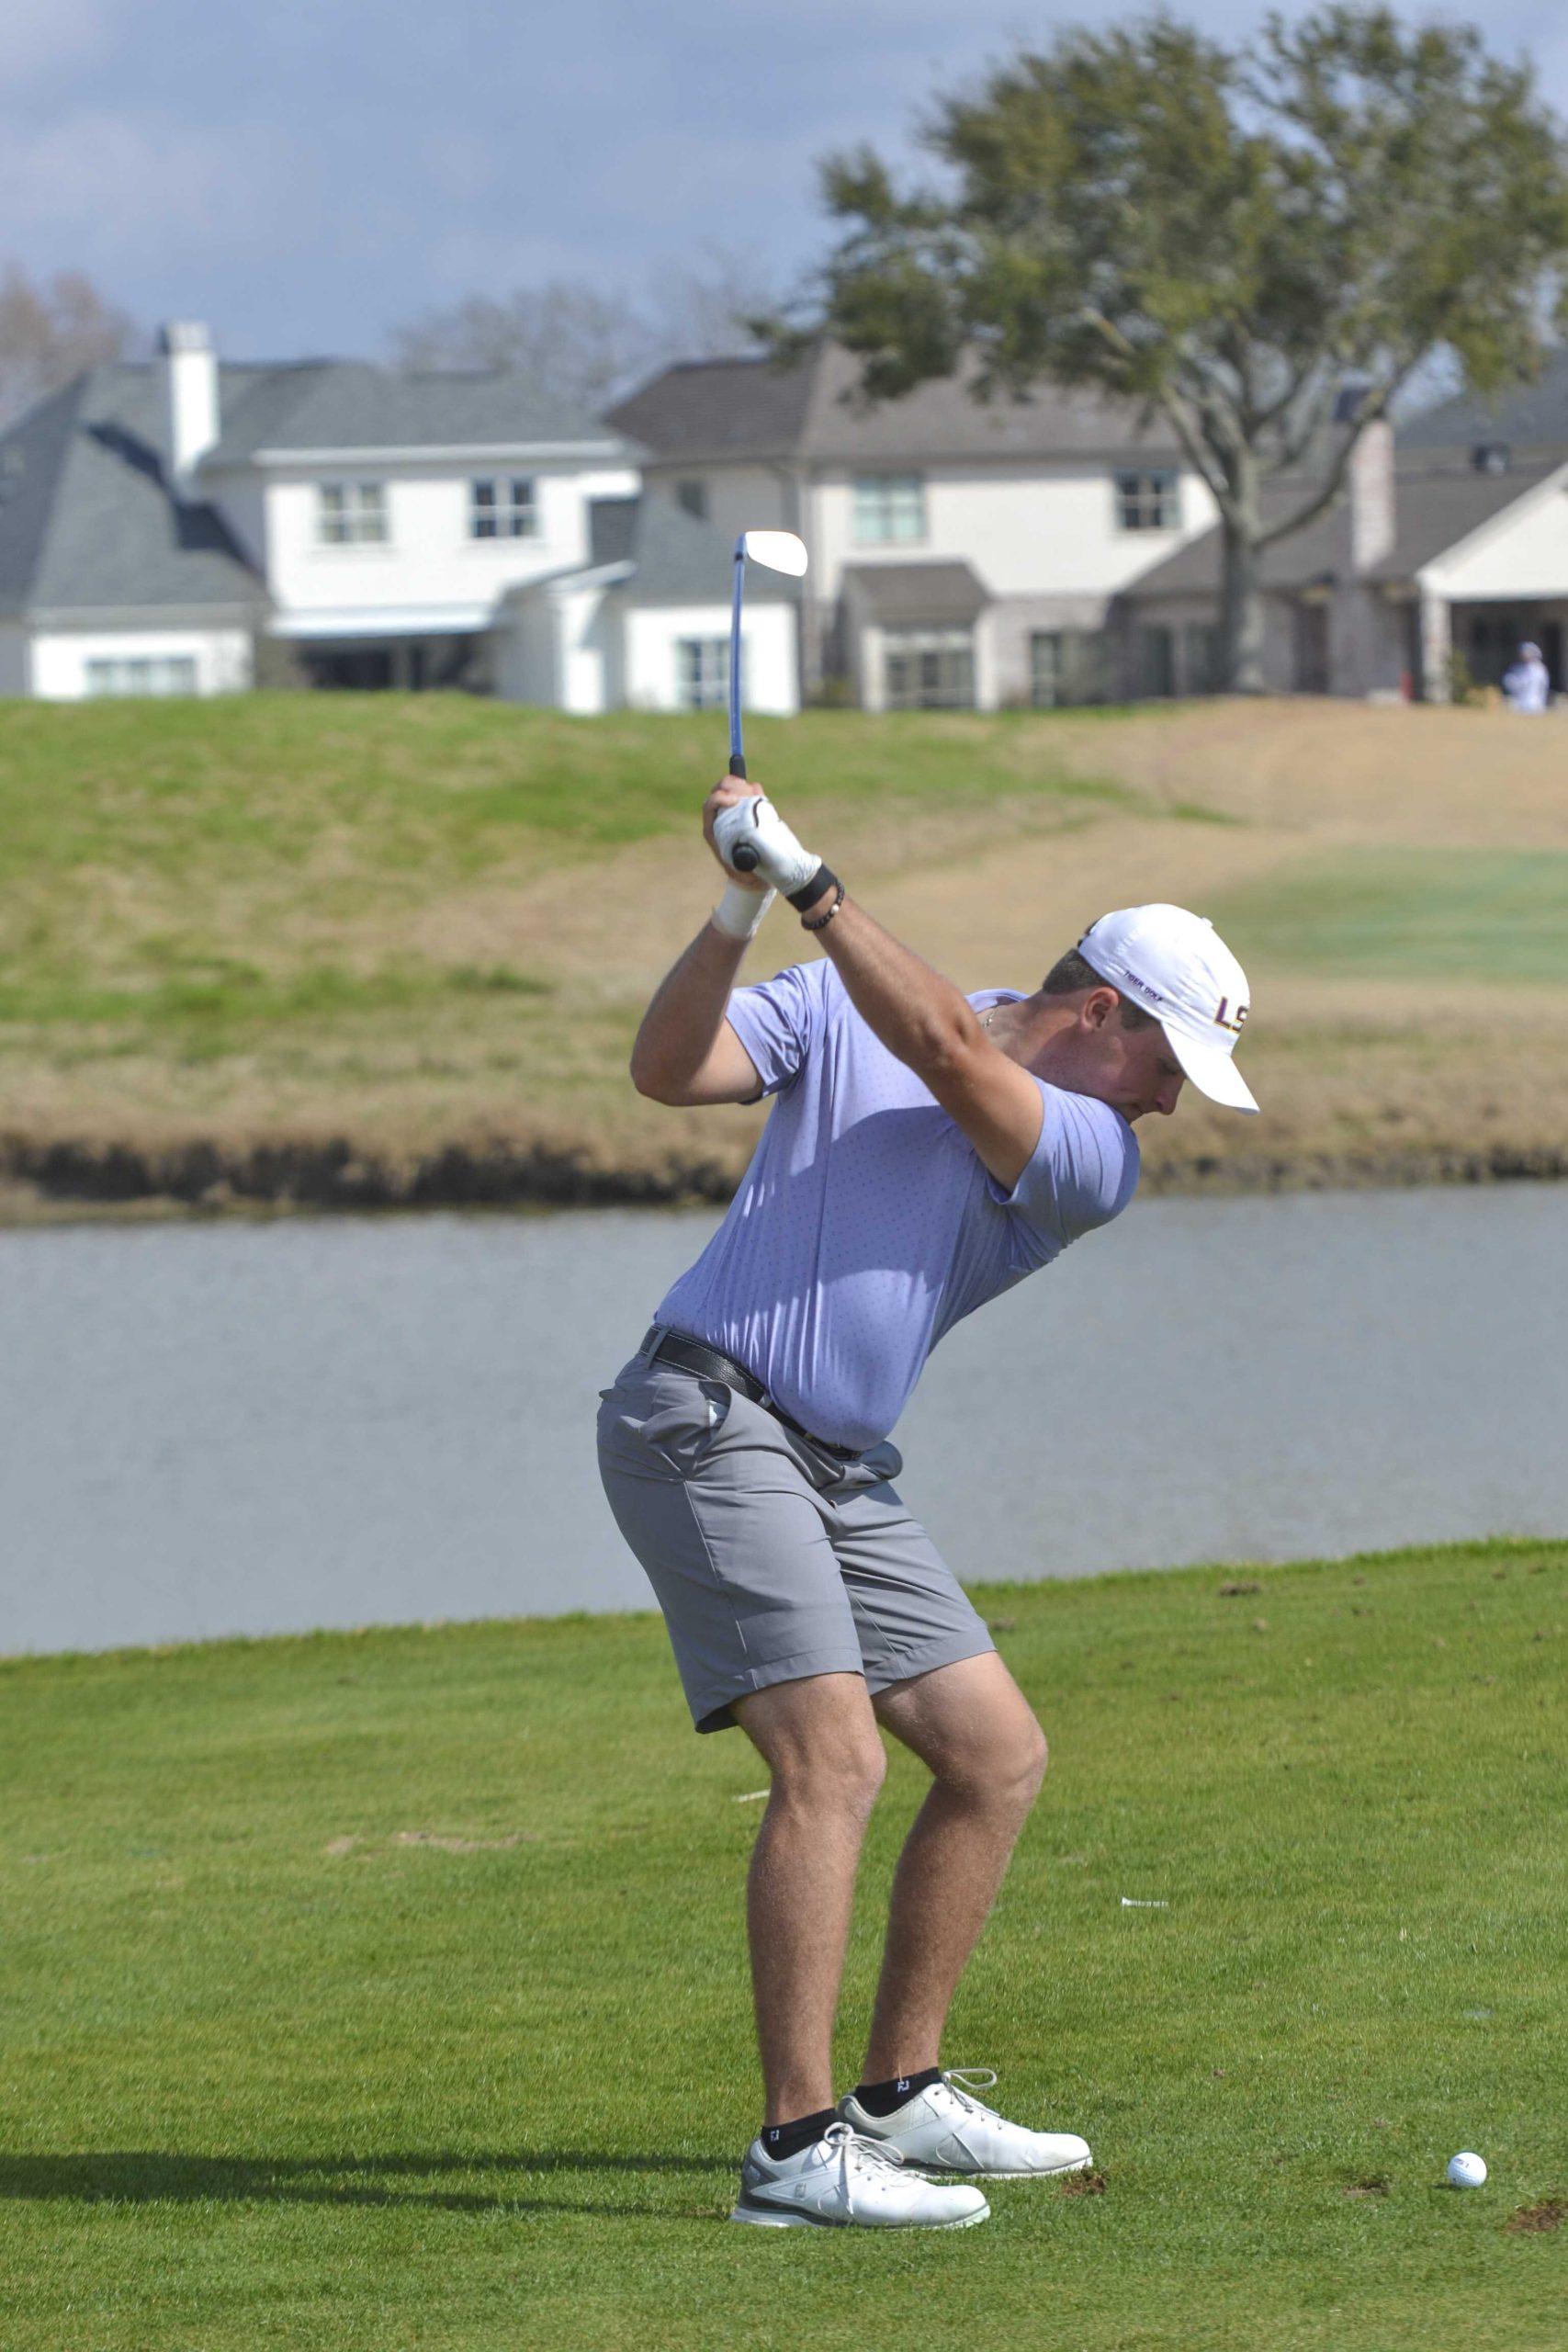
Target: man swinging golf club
(925,1151)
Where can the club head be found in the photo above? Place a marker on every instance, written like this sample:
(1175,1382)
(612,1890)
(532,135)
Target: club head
(774,550)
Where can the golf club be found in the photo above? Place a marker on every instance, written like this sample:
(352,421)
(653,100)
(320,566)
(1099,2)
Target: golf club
(775,551)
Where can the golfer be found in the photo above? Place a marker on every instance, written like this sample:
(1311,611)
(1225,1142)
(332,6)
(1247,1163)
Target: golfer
(925,1152)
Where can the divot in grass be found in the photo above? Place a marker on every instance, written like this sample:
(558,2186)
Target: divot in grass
(1545,2213)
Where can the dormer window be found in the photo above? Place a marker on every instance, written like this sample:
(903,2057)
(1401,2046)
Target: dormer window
(352,514)
(502,507)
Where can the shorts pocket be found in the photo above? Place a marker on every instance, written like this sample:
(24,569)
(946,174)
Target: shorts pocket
(682,1430)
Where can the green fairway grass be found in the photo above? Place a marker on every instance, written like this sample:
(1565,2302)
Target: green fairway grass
(366,1993)
(441,785)
(343,951)
(1412,914)
(194,880)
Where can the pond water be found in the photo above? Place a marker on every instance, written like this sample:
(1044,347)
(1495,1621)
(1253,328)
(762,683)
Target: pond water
(253,1429)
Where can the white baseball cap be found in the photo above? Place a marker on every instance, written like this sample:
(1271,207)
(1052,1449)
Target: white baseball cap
(1176,966)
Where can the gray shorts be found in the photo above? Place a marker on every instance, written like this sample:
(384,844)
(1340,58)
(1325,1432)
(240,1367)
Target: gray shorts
(771,1559)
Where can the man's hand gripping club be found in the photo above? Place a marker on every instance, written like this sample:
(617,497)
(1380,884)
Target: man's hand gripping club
(739,817)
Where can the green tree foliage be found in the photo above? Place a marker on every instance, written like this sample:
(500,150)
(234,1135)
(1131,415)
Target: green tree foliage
(1224,235)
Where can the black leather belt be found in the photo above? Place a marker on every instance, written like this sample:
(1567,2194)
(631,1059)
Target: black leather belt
(712,1363)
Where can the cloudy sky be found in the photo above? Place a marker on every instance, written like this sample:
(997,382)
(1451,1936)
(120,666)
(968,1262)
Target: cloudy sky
(306,173)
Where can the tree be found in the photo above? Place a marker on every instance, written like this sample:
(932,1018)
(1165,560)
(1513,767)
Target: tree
(566,340)
(1224,236)
(588,347)
(49,333)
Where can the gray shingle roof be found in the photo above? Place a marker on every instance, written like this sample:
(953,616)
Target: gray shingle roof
(898,596)
(348,404)
(1435,507)
(32,455)
(712,409)
(678,560)
(1535,419)
(87,521)
(90,522)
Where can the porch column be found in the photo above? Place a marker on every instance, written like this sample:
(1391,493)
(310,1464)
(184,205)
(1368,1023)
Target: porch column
(1436,645)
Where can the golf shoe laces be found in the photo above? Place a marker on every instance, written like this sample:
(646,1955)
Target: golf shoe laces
(965,2081)
(856,2153)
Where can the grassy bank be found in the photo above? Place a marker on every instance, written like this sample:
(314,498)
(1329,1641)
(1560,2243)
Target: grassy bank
(378,949)
(387,1991)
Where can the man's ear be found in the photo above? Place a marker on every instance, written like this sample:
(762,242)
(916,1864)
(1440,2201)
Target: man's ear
(1100,1007)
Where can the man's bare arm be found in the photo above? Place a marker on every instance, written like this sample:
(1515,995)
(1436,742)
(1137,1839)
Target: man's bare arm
(932,1028)
(917,1015)
(687,1051)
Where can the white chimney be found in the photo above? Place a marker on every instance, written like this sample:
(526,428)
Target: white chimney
(191,370)
(1373,518)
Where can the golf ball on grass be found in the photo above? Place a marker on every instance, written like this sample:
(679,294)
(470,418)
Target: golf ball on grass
(1466,2170)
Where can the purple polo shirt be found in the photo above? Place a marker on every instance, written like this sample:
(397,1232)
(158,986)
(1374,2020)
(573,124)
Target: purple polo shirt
(865,1227)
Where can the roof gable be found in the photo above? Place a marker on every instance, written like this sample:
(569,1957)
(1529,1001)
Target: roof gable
(347,404)
(1435,507)
(808,411)
(678,560)
(94,524)
(904,595)
(32,458)
(1535,417)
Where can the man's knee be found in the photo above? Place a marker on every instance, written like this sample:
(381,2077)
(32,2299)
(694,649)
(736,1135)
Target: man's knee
(843,1774)
(1003,1769)
(819,1740)
(1033,1759)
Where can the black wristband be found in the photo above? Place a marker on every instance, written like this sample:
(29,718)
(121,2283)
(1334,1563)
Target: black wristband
(823,880)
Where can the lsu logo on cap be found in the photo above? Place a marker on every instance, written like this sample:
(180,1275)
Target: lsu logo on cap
(1223,1021)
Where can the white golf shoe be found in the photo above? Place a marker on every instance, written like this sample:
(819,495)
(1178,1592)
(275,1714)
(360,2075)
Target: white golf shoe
(945,2128)
(845,2181)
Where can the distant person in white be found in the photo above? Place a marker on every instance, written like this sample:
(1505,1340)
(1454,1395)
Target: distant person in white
(1528,686)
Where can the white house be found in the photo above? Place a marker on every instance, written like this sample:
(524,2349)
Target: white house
(187,527)
(962,553)
(644,622)
(1434,553)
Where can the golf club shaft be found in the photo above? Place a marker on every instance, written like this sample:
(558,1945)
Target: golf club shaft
(744,858)
(737,746)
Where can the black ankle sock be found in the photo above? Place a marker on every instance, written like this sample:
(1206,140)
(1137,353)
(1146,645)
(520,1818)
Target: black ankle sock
(781,2140)
(881,2099)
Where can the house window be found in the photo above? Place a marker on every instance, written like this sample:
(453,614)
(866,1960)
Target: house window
(702,673)
(166,674)
(502,507)
(1148,499)
(930,669)
(889,509)
(352,514)
(691,497)
(1068,665)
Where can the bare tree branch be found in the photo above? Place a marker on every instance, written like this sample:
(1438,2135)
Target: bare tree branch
(50,332)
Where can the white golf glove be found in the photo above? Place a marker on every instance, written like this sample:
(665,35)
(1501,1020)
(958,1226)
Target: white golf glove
(780,858)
